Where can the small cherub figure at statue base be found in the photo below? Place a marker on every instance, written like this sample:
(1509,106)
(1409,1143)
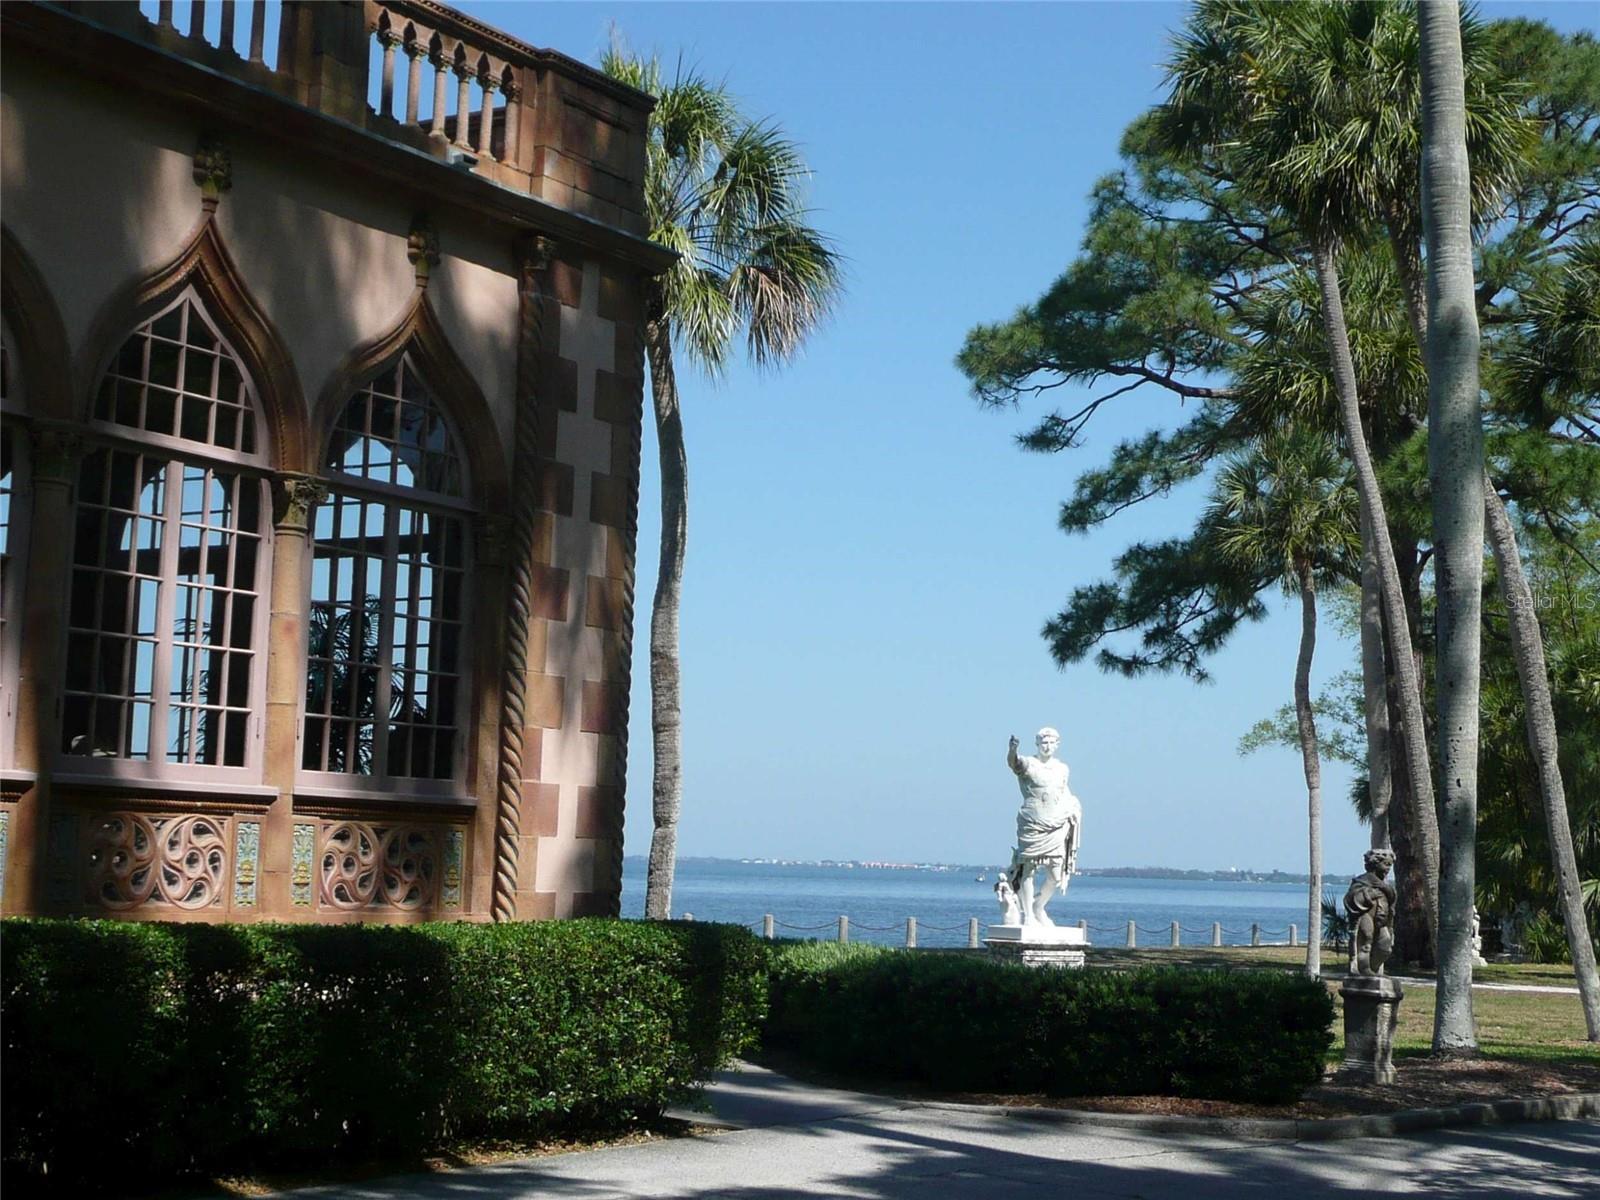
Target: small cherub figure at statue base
(1010,910)
(1370,903)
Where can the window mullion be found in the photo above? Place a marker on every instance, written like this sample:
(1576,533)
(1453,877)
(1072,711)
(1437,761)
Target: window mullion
(166,589)
(385,688)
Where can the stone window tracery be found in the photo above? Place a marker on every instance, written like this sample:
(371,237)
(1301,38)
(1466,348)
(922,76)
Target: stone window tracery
(385,659)
(166,607)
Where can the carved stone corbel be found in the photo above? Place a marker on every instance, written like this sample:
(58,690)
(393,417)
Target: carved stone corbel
(213,171)
(422,247)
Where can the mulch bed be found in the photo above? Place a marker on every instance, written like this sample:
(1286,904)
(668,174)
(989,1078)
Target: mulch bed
(1421,1082)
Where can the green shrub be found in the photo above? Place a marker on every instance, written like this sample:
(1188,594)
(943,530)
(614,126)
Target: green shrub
(970,1024)
(148,1051)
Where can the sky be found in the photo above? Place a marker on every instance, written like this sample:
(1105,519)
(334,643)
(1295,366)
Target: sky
(871,557)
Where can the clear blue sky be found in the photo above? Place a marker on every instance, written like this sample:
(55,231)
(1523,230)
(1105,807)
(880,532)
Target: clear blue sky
(870,556)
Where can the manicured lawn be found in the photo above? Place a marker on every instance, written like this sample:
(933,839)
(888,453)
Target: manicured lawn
(1524,1026)
(1333,962)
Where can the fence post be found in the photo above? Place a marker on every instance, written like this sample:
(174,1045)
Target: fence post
(1133,936)
(972,933)
(1294,935)
(1255,934)
(1083,928)
(1176,939)
(844,929)
(1216,933)
(767,930)
(911,933)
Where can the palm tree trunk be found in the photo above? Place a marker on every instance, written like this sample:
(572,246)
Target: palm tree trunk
(1527,649)
(666,712)
(1375,522)
(1455,471)
(1380,789)
(1306,721)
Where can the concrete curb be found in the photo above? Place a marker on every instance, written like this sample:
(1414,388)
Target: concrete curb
(1576,1106)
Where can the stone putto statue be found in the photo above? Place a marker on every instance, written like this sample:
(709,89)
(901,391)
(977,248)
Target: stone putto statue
(1049,825)
(1370,903)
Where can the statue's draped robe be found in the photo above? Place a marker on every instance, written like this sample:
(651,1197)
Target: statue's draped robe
(1050,821)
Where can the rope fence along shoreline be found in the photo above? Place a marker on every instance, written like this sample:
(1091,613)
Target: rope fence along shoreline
(1170,936)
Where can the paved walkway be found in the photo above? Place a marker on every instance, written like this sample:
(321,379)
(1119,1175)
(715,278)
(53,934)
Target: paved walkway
(787,1139)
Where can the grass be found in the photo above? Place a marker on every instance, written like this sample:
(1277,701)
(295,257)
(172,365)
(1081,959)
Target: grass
(1541,1027)
(1521,1026)
(1333,962)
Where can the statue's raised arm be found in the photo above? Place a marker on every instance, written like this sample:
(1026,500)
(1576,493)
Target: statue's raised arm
(1012,760)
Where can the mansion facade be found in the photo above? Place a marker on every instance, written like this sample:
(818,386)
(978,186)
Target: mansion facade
(321,392)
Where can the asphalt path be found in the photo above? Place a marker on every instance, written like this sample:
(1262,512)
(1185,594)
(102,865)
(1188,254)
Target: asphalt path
(782,1138)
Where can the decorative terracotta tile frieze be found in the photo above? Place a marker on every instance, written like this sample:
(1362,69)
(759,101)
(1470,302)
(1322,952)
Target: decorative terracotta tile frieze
(454,861)
(303,851)
(364,866)
(246,862)
(135,860)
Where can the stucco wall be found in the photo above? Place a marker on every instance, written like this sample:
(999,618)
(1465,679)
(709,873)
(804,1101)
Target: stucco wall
(99,191)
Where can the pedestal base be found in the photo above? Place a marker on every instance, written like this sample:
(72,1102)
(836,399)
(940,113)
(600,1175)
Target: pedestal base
(1371,1012)
(1038,945)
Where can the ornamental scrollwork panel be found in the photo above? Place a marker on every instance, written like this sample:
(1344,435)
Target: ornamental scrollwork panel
(135,860)
(371,866)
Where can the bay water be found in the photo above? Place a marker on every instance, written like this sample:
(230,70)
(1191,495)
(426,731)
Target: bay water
(806,901)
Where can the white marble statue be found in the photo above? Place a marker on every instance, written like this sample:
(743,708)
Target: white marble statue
(1010,910)
(1049,827)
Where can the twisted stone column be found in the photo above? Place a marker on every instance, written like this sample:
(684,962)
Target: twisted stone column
(533,296)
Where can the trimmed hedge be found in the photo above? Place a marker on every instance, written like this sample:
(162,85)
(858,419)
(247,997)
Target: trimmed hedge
(962,1023)
(136,1051)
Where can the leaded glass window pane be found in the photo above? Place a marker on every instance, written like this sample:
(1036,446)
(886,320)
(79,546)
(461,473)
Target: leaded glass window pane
(384,661)
(175,376)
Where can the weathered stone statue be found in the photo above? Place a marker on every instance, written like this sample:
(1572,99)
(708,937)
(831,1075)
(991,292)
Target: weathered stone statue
(1049,825)
(1371,998)
(1370,903)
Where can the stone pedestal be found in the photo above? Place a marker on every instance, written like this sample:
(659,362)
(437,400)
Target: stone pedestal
(1038,945)
(1371,1011)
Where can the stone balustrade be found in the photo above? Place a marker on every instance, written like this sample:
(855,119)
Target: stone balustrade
(424,75)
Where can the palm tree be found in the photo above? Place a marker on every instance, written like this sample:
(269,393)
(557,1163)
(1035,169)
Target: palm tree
(725,193)
(1288,506)
(1276,93)
(1555,367)
(1455,470)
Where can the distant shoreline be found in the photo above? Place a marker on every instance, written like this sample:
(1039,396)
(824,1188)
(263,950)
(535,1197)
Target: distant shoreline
(1230,875)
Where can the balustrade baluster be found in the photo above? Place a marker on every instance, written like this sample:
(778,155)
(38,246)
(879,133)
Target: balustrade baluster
(258,30)
(413,80)
(486,118)
(227,24)
(164,14)
(197,18)
(386,96)
(508,144)
(436,126)
(463,106)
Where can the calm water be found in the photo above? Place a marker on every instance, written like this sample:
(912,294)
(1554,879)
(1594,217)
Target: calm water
(807,902)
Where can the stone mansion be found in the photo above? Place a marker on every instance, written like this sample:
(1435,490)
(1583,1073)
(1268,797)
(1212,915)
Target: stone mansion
(321,387)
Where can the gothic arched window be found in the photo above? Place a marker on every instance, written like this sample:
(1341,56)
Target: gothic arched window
(167,607)
(384,665)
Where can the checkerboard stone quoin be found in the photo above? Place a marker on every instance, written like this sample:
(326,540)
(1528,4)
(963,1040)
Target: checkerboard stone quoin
(1049,827)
